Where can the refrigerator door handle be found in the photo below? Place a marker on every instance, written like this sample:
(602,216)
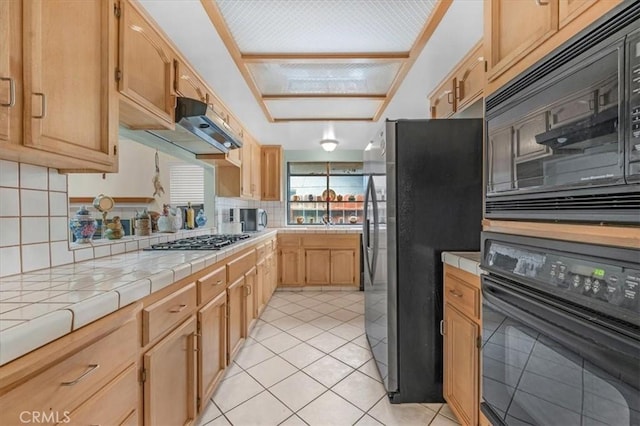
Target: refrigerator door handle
(376,221)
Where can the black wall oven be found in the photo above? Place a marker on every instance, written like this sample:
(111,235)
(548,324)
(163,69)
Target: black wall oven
(563,139)
(561,333)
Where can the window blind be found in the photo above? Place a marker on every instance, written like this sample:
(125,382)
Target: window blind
(186,183)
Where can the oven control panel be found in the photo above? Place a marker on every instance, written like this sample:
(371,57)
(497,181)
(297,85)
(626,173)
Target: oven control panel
(633,84)
(592,283)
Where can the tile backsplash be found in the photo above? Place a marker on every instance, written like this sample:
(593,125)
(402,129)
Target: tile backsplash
(275,209)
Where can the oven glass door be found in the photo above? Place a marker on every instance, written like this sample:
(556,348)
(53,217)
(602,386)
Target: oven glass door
(545,366)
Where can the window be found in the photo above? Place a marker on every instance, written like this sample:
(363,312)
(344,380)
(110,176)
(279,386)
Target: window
(186,183)
(318,190)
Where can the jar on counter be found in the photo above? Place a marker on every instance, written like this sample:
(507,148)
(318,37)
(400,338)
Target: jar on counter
(83,225)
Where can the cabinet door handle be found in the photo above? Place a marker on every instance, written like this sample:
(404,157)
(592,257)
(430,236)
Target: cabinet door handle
(218,282)
(248,290)
(178,309)
(90,369)
(442,327)
(542,3)
(450,97)
(455,293)
(43,112)
(12,92)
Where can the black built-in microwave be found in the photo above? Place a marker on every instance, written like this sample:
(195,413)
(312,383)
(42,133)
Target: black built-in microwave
(563,139)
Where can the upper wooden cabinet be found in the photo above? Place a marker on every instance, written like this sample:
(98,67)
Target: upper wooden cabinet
(145,71)
(187,83)
(519,33)
(56,81)
(243,181)
(461,87)
(271,170)
(518,27)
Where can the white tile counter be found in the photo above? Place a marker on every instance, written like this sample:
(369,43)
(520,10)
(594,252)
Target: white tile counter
(466,260)
(41,306)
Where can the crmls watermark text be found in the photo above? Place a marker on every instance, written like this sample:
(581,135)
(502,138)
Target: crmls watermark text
(44,417)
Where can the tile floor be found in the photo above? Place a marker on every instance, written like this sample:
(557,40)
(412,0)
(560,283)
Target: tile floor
(307,361)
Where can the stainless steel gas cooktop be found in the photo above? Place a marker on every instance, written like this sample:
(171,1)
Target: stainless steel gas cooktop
(201,242)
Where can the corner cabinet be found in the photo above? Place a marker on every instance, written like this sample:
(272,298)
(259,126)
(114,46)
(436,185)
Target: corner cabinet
(145,72)
(57,82)
(461,337)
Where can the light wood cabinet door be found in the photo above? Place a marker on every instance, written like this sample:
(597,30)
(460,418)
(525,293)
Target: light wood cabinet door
(290,266)
(271,170)
(317,270)
(343,267)
(461,365)
(443,100)
(568,10)
(146,67)
(212,348)
(188,84)
(112,405)
(261,286)
(245,172)
(170,383)
(250,308)
(516,28)
(235,317)
(10,73)
(256,170)
(70,97)
(470,78)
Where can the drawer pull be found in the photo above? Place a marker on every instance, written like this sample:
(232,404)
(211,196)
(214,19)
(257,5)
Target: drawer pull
(218,282)
(43,106)
(178,309)
(455,293)
(91,369)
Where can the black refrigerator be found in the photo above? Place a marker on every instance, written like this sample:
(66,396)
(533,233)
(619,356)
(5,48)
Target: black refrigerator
(423,197)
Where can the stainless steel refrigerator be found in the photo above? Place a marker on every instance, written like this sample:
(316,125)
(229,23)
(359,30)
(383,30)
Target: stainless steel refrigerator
(423,197)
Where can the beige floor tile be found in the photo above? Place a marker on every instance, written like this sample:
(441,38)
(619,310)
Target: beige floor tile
(343,315)
(232,370)
(327,342)
(326,322)
(328,370)
(371,369)
(280,343)
(293,421)
(330,409)
(367,420)
(297,391)
(305,331)
(325,297)
(210,413)
(219,421)
(291,308)
(357,322)
(263,331)
(401,414)
(262,409)
(352,355)
(271,314)
(360,390)
(236,390)
(295,297)
(287,323)
(309,302)
(302,355)
(433,406)
(446,411)
(325,308)
(361,341)
(276,302)
(341,302)
(271,371)
(253,354)
(355,297)
(346,331)
(441,420)
(356,307)
(307,315)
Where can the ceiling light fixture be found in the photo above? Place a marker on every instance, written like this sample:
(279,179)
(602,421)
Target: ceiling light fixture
(328,144)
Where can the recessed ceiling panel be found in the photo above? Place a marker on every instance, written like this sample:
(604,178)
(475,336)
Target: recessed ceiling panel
(325,26)
(323,108)
(327,78)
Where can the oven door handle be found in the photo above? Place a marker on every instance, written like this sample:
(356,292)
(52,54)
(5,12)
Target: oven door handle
(613,352)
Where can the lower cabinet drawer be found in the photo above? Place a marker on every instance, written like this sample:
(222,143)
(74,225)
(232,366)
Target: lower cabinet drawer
(461,294)
(212,284)
(112,405)
(63,387)
(168,312)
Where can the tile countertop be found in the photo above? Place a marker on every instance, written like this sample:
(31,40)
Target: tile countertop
(466,260)
(41,306)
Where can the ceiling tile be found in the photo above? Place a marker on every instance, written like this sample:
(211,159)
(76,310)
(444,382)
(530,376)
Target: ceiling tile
(323,108)
(324,77)
(325,26)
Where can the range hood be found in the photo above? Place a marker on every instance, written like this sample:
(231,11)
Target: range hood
(603,123)
(199,129)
